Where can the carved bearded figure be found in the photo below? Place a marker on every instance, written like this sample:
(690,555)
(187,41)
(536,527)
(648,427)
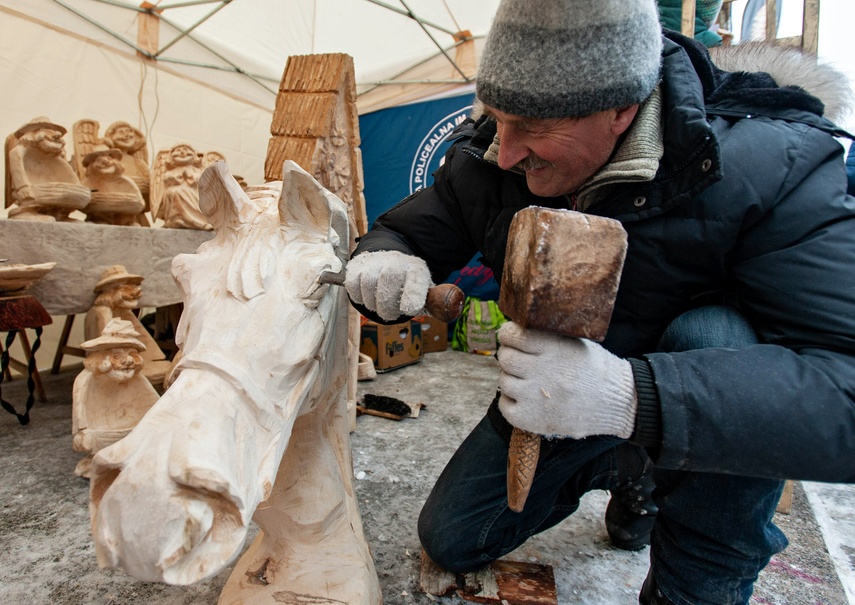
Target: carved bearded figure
(109,396)
(43,185)
(117,294)
(116,200)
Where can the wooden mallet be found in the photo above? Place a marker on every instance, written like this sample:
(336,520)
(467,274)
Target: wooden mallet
(561,275)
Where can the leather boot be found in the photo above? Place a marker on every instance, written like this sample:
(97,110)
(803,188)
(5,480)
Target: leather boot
(631,512)
(650,593)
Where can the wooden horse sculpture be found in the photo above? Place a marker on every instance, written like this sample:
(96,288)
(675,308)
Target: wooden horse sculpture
(255,422)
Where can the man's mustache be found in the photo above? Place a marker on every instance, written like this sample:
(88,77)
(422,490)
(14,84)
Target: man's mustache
(533,162)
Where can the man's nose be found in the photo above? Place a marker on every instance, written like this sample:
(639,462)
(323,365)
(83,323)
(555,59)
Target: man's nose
(512,150)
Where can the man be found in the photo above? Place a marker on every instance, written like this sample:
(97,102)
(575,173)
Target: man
(729,359)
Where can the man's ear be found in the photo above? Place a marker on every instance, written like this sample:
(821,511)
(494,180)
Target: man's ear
(623,118)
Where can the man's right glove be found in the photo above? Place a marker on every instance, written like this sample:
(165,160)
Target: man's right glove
(389,283)
(555,385)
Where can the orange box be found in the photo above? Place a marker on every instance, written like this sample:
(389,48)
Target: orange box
(392,346)
(434,333)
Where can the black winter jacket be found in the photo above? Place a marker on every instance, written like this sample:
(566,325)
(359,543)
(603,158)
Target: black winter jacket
(748,208)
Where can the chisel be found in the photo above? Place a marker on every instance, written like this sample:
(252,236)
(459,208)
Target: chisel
(445,301)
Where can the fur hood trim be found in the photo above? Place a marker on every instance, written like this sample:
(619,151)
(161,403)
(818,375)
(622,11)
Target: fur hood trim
(792,69)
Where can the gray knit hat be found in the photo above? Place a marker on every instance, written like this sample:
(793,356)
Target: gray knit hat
(570,58)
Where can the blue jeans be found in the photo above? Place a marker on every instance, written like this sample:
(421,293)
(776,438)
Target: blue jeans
(713,533)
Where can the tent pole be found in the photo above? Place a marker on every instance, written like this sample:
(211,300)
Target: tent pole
(104,29)
(392,80)
(163,7)
(186,32)
(428,34)
(408,13)
(139,9)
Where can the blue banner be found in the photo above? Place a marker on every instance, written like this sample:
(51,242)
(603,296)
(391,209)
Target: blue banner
(401,149)
(403,146)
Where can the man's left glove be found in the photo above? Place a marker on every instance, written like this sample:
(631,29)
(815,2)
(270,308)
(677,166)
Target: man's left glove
(389,283)
(555,385)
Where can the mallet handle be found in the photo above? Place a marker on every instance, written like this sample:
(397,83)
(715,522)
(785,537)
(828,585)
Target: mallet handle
(523,453)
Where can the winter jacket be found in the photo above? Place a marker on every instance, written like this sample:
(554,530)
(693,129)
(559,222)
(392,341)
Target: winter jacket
(748,208)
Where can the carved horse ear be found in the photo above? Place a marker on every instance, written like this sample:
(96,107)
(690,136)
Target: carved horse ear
(220,196)
(307,203)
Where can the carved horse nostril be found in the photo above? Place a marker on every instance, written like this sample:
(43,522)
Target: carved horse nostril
(101,484)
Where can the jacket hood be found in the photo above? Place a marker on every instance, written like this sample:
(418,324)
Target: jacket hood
(752,79)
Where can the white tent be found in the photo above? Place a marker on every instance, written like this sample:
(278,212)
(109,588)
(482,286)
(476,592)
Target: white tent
(206,72)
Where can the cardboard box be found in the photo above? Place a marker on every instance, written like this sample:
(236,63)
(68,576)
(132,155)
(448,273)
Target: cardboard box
(391,346)
(434,334)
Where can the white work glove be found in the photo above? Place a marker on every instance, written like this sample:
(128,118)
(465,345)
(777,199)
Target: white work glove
(560,386)
(389,283)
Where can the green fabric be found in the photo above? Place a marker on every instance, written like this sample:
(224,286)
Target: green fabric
(475,330)
(706,11)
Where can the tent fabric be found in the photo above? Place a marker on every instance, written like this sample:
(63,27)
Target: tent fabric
(215,80)
(215,83)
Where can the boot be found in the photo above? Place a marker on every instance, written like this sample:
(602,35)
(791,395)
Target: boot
(631,512)
(650,593)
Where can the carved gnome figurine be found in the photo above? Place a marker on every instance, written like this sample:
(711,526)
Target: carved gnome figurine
(110,395)
(41,182)
(116,199)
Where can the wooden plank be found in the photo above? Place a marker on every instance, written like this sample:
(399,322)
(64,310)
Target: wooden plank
(148,31)
(771,20)
(304,114)
(785,504)
(687,24)
(500,583)
(316,73)
(300,150)
(513,583)
(810,26)
(435,580)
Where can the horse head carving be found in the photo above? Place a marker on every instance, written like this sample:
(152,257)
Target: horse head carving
(254,424)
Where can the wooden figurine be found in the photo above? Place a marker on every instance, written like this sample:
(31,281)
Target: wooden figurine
(126,141)
(132,143)
(110,395)
(255,424)
(41,184)
(175,188)
(116,200)
(117,295)
(209,157)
